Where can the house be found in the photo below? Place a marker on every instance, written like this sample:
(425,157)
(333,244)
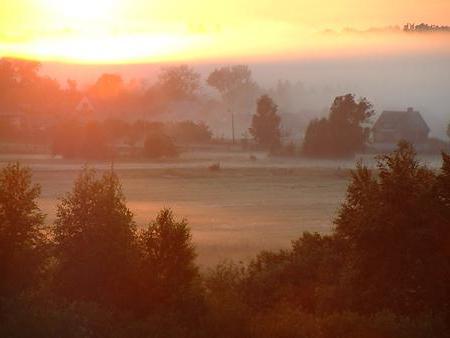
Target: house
(393,126)
(85,108)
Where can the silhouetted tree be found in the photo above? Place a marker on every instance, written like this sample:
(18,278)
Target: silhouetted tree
(396,227)
(22,249)
(239,91)
(178,82)
(108,86)
(343,133)
(158,145)
(265,127)
(189,132)
(74,139)
(168,275)
(95,244)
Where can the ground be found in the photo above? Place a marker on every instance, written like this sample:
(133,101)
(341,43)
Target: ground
(247,206)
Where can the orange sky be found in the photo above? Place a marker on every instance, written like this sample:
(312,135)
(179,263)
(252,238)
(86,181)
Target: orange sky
(123,31)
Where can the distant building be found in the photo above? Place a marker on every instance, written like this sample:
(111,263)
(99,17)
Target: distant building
(393,126)
(85,108)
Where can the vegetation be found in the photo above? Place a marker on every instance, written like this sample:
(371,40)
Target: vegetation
(383,272)
(22,245)
(158,145)
(102,140)
(265,127)
(94,242)
(179,82)
(236,86)
(343,133)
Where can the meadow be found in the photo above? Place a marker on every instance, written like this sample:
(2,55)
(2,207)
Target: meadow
(234,213)
(253,203)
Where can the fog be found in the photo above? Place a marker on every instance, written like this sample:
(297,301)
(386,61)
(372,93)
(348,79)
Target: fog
(393,70)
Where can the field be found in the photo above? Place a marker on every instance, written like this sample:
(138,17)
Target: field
(248,206)
(234,213)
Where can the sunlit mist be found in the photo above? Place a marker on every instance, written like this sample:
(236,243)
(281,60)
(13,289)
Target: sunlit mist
(119,31)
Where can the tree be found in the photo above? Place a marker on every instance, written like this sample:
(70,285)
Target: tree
(108,86)
(189,132)
(236,86)
(74,139)
(395,226)
(22,246)
(178,82)
(265,127)
(158,145)
(343,133)
(95,245)
(168,273)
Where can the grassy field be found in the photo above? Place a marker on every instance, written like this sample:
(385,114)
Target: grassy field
(234,213)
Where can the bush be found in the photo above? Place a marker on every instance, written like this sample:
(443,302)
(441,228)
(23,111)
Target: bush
(159,145)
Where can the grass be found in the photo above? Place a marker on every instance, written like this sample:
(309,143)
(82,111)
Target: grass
(234,213)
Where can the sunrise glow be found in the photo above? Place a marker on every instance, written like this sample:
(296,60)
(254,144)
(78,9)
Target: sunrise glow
(119,31)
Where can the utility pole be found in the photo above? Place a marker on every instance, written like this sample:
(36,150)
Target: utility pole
(232,127)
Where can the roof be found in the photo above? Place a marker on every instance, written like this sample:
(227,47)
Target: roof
(405,120)
(85,104)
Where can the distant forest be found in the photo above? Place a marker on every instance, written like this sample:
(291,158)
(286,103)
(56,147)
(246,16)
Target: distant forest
(423,27)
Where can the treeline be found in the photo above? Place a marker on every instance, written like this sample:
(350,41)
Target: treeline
(24,89)
(383,272)
(423,27)
(117,138)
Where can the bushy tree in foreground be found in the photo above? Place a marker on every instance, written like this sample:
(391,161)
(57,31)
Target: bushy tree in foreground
(397,230)
(168,275)
(22,250)
(95,244)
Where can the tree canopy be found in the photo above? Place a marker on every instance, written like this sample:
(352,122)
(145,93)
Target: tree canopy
(94,241)
(22,251)
(236,85)
(343,133)
(179,82)
(265,127)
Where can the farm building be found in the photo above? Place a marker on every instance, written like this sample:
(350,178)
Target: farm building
(393,126)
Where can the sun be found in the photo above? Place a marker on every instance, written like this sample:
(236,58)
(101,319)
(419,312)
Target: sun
(82,10)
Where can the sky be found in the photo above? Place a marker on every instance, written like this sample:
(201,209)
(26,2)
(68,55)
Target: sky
(139,31)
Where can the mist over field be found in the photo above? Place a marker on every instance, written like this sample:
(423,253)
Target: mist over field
(393,70)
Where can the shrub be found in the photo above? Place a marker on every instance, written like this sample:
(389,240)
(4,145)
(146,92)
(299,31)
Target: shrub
(159,145)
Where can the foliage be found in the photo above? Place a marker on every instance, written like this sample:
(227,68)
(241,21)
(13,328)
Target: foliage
(21,82)
(73,139)
(108,86)
(189,132)
(168,275)
(179,82)
(406,269)
(383,272)
(94,242)
(22,246)
(235,84)
(265,127)
(342,134)
(158,145)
